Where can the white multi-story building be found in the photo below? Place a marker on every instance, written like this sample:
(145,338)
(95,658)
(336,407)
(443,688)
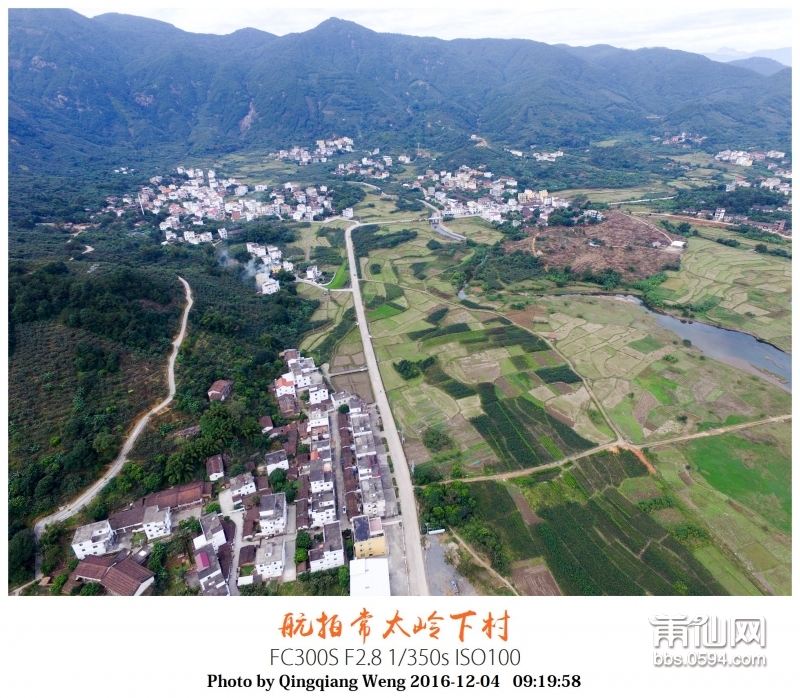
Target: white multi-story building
(276,459)
(285,385)
(272,514)
(317,394)
(372,497)
(270,286)
(317,418)
(321,479)
(322,509)
(243,485)
(270,558)
(157,522)
(93,539)
(213,534)
(331,553)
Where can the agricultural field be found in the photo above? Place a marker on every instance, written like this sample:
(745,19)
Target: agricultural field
(609,527)
(332,306)
(747,291)
(739,488)
(541,403)
(475,229)
(378,207)
(650,384)
(348,355)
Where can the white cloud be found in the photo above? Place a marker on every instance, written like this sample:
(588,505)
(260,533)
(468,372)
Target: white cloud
(690,26)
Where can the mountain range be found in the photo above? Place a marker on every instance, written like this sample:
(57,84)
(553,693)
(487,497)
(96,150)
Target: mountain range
(80,86)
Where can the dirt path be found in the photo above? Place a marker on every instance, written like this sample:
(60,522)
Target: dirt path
(69,510)
(647,464)
(625,444)
(484,564)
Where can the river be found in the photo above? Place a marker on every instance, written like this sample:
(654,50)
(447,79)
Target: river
(738,349)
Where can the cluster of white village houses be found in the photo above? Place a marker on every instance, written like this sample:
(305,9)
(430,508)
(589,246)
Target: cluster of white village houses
(326,495)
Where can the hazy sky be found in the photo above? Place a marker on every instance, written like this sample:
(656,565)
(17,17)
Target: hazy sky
(702,26)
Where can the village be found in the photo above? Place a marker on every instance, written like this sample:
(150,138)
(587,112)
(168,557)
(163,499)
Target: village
(321,499)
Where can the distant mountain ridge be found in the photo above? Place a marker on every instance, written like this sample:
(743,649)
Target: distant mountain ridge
(117,80)
(763,66)
(726,55)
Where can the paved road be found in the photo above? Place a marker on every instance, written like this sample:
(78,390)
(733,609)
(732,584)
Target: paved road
(88,495)
(418,584)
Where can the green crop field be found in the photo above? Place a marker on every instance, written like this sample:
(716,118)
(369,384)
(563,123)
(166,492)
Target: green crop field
(754,471)
(475,228)
(341,277)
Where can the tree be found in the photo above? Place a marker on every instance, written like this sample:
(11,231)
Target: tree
(277,478)
(303,541)
(106,444)
(344,409)
(179,468)
(191,524)
(344,578)
(21,556)
(300,555)
(213,508)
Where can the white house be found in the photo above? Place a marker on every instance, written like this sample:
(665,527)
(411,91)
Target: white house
(347,213)
(321,480)
(272,514)
(213,534)
(215,468)
(223,233)
(209,573)
(243,484)
(331,553)
(93,539)
(323,509)
(317,418)
(678,243)
(287,266)
(372,497)
(285,385)
(312,273)
(270,558)
(256,250)
(339,398)
(270,286)
(157,522)
(317,394)
(275,460)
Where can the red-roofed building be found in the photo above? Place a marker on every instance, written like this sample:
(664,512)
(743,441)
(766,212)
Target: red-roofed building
(220,390)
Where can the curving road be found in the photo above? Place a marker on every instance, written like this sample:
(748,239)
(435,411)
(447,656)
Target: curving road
(69,510)
(418,583)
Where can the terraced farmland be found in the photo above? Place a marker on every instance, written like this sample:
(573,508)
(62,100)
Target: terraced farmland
(749,292)
(650,384)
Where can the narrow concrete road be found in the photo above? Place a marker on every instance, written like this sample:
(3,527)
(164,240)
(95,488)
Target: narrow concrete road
(69,510)
(418,584)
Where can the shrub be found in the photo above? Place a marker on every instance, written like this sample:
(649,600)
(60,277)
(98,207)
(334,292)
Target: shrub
(436,440)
